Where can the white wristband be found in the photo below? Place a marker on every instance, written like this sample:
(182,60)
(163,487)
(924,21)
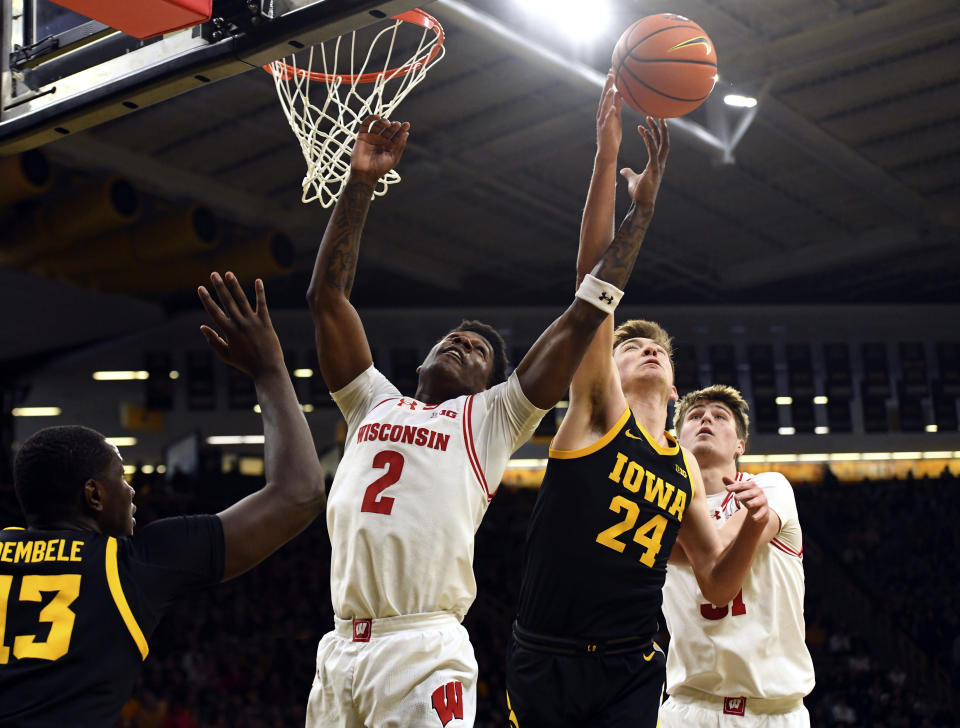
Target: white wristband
(604,296)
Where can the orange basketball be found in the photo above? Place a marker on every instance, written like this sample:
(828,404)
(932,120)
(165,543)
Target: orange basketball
(664,65)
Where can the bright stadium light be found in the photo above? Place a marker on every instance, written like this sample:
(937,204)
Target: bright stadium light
(571,17)
(742,102)
(303,373)
(783,401)
(120,376)
(35,411)
(122,441)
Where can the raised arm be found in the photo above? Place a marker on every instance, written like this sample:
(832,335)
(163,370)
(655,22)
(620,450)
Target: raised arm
(549,365)
(342,347)
(719,562)
(294,493)
(596,400)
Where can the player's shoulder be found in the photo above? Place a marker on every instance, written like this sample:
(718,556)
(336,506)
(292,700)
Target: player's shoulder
(771,480)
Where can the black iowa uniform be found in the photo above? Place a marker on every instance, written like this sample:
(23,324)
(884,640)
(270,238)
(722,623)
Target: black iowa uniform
(600,534)
(77,609)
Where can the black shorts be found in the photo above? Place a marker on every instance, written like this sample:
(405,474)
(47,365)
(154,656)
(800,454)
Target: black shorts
(555,683)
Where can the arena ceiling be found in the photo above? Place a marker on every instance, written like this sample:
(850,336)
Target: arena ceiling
(843,188)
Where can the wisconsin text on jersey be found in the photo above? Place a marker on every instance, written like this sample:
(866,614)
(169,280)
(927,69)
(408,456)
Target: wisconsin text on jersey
(408,434)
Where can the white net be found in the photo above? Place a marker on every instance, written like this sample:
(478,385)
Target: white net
(349,84)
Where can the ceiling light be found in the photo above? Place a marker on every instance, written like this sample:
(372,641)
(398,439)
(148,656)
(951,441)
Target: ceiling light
(821,430)
(569,17)
(174,374)
(120,375)
(235,440)
(784,400)
(787,431)
(820,399)
(122,441)
(303,373)
(35,411)
(931,428)
(147,469)
(743,102)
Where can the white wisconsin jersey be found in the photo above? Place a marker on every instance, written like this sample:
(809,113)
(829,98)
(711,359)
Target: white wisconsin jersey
(753,647)
(410,492)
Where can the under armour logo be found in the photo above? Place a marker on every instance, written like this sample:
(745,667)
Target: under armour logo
(412,403)
(606,297)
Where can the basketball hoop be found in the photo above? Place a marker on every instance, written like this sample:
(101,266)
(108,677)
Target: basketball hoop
(327,127)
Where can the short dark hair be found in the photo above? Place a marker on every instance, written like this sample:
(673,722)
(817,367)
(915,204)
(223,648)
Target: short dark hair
(52,466)
(499,348)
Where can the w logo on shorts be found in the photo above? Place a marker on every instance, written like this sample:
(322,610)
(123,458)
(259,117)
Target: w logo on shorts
(448,701)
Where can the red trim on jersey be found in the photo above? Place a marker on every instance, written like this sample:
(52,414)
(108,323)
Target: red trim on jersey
(382,401)
(778,544)
(471,450)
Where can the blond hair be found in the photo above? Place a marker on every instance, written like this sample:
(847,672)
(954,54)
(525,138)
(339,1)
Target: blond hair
(638,328)
(721,393)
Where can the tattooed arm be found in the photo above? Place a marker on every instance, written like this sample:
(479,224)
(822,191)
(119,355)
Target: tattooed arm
(342,347)
(546,371)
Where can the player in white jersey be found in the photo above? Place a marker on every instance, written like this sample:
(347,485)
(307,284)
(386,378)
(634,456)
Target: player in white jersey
(745,663)
(418,472)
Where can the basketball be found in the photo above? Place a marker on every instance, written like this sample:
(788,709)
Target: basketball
(664,65)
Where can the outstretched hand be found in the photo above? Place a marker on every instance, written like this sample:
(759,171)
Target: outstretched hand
(750,495)
(643,187)
(247,339)
(379,146)
(609,121)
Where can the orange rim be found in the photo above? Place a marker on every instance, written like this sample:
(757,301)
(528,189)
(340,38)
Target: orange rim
(415,16)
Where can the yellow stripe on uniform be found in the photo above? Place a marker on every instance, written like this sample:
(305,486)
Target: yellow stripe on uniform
(686,464)
(571,454)
(116,591)
(657,447)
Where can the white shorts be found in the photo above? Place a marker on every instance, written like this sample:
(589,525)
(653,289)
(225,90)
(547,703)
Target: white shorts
(684,711)
(415,671)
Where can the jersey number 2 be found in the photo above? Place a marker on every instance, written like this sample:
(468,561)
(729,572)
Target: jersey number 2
(708,611)
(57,613)
(373,502)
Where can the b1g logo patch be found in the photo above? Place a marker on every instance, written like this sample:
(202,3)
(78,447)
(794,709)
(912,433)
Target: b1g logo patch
(448,701)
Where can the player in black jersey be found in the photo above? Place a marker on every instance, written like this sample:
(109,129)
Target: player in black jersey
(618,492)
(80,594)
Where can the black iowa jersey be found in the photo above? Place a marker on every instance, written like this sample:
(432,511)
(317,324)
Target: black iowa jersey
(601,531)
(77,609)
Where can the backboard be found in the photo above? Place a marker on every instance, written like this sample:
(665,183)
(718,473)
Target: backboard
(61,72)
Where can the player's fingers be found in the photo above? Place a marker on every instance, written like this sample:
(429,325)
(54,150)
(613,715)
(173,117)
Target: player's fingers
(216,313)
(261,296)
(654,130)
(760,514)
(647,135)
(216,342)
(239,297)
(223,294)
(367,124)
(664,141)
(628,174)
